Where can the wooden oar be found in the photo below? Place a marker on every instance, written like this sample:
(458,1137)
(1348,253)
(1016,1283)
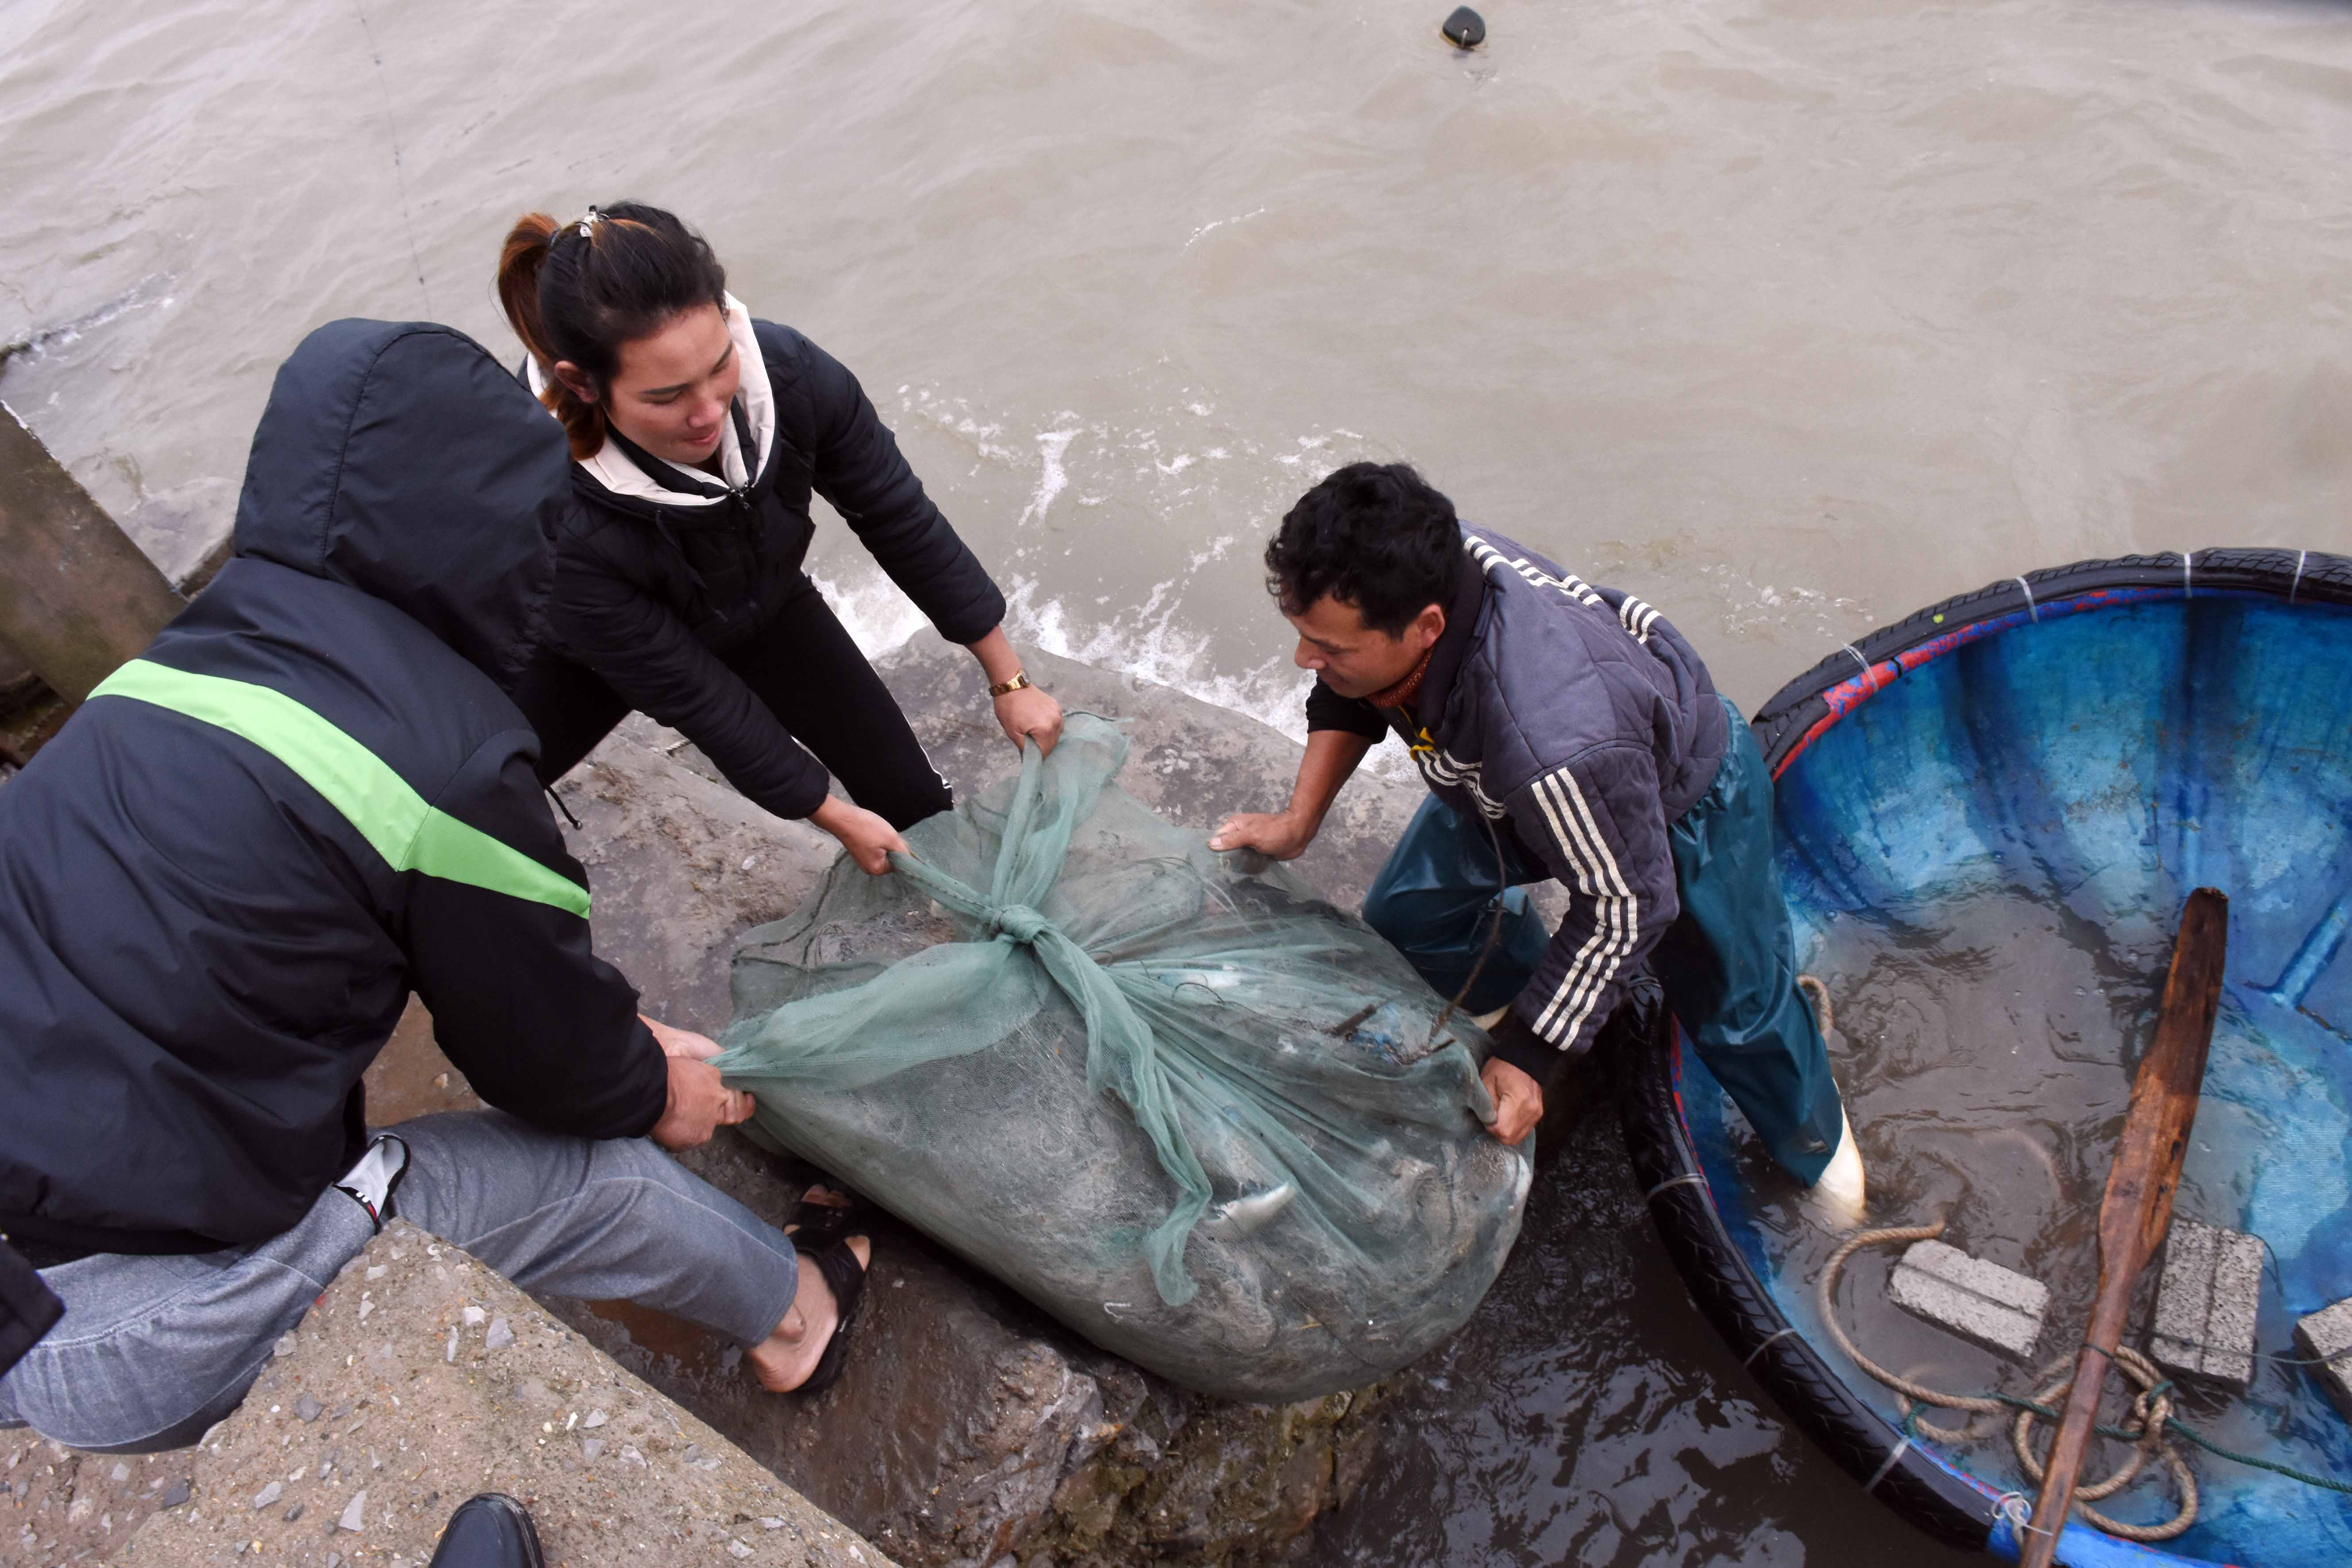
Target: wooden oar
(2139,1205)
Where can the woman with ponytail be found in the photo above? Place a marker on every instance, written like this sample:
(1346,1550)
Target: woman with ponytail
(697,436)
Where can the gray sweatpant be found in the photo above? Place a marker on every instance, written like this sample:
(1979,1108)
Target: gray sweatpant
(152,1351)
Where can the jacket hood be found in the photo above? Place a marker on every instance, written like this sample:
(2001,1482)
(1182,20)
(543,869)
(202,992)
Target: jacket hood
(401,460)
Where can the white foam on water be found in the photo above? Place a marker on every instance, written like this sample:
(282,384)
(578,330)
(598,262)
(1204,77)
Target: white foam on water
(877,617)
(1051,477)
(1203,477)
(151,290)
(1149,643)
(1215,223)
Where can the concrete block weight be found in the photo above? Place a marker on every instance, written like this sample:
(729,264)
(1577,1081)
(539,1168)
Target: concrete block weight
(2326,1336)
(2206,1304)
(1981,1302)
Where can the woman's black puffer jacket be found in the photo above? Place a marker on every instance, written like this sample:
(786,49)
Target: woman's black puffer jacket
(649,593)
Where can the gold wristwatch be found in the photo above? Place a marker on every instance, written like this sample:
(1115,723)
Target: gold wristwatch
(1020,682)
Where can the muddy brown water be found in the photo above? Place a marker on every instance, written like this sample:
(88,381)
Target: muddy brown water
(1789,315)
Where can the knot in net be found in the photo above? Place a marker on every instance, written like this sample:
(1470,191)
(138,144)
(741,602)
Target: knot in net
(1018,921)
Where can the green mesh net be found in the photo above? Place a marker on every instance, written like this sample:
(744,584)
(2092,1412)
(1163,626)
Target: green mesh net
(1177,1100)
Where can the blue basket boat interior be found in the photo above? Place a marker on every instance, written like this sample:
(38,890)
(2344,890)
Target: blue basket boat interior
(2029,781)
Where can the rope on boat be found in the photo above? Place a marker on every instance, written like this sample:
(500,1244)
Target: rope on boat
(1823,1014)
(2151,1408)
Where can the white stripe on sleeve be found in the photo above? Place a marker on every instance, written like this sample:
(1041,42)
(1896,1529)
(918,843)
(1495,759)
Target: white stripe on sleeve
(1616,922)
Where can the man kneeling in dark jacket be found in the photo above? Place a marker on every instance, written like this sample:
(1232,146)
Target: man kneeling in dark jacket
(219,884)
(1565,732)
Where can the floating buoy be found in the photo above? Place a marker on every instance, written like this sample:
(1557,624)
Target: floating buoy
(1465,30)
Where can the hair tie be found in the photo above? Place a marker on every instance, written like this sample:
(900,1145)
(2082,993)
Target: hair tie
(587,225)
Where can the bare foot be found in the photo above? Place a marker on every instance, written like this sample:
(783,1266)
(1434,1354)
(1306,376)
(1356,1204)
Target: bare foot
(784,1360)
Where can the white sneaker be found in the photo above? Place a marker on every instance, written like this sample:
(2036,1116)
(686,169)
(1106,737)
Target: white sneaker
(1840,1197)
(372,1182)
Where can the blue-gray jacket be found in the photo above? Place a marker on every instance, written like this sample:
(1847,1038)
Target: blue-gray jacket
(1581,723)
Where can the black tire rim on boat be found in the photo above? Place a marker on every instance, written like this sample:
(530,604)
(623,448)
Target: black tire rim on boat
(1911,1480)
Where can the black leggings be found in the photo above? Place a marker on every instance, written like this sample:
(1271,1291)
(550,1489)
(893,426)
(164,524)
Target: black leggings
(809,672)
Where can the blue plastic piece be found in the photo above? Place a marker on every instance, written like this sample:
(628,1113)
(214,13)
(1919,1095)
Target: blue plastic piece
(2080,1546)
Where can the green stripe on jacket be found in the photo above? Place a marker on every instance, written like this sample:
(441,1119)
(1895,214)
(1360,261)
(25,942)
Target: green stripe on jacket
(405,828)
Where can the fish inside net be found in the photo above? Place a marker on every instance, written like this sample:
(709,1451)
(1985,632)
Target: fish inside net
(1175,1098)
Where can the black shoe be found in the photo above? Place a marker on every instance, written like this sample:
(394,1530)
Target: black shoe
(816,1225)
(491,1531)
(846,1278)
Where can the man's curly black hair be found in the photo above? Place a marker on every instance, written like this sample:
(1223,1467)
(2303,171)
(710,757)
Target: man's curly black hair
(1372,535)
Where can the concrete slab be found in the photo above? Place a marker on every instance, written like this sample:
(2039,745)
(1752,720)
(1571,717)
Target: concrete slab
(2326,1335)
(1981,1302)
(60,1505)
(2206,1302)
(422,1378)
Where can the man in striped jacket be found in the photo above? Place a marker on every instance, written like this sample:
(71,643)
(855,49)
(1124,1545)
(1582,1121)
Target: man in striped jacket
(1565,732)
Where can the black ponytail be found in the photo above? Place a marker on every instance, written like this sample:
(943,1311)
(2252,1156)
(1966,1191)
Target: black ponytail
(578,291)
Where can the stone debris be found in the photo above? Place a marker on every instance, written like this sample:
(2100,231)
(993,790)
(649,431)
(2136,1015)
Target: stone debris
(595,1418)
(474,1317)
(500,1336)
(173,1495)
(2326,1336)
(294,1513)
(591,1448)
(2206,1305)
(308,1409)
(354,1513)
(284,1344)
(268,1494)
(449,1352)
(737,1549)
(379,1271)
(1981,1302)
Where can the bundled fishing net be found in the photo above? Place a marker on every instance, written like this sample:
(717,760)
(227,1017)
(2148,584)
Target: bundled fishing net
(1187,1108)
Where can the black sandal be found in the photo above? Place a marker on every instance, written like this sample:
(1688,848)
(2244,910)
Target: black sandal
(847,1278)
(820,1224)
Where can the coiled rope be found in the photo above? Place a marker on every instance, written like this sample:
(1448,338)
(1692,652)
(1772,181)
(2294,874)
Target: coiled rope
(2151,1408)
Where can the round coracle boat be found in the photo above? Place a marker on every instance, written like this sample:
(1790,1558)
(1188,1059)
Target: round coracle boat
(1992,815)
